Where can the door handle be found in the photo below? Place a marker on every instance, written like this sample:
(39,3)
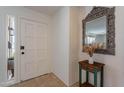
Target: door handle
(23,53)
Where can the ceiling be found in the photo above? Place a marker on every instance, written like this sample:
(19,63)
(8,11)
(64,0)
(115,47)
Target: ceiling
(49,10)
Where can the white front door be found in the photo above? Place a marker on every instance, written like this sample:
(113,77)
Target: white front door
(34,36)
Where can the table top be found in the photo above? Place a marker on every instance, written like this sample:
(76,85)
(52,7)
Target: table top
(96,65)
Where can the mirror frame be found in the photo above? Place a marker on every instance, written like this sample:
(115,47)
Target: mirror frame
(98,12)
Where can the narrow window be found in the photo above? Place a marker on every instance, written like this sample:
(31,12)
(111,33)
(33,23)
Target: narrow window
(11,47)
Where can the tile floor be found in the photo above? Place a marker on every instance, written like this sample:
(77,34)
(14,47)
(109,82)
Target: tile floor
(48,80)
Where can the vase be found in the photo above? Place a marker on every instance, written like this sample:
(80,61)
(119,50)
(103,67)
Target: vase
(91,60)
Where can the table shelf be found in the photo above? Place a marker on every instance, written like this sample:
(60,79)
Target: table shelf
(87,84)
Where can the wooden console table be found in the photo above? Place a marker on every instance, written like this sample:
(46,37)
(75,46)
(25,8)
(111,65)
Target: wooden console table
(93,68)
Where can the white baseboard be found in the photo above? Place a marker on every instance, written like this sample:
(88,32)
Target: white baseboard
(9,83)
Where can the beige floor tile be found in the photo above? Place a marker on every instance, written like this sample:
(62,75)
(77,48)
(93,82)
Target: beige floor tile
(48,80)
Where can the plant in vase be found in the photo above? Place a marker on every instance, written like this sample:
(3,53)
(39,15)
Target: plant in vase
(90,49)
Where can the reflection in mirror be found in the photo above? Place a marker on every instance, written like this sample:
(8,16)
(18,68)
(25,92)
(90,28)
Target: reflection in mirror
(11,47)
(96,32)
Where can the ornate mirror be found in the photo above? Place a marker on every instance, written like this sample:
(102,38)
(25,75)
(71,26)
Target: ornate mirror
(99,28)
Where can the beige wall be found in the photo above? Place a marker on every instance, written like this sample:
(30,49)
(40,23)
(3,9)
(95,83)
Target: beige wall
(65,44)
(60,45)
(114,72)
(74,44)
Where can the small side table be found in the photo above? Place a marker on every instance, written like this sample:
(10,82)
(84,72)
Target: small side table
(93,68)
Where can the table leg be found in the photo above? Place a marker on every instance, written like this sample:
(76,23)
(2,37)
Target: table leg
(95,78)
(87,76)
(102,77)
(80,75)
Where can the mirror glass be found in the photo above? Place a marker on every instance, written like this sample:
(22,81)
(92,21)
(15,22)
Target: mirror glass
(96,32)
